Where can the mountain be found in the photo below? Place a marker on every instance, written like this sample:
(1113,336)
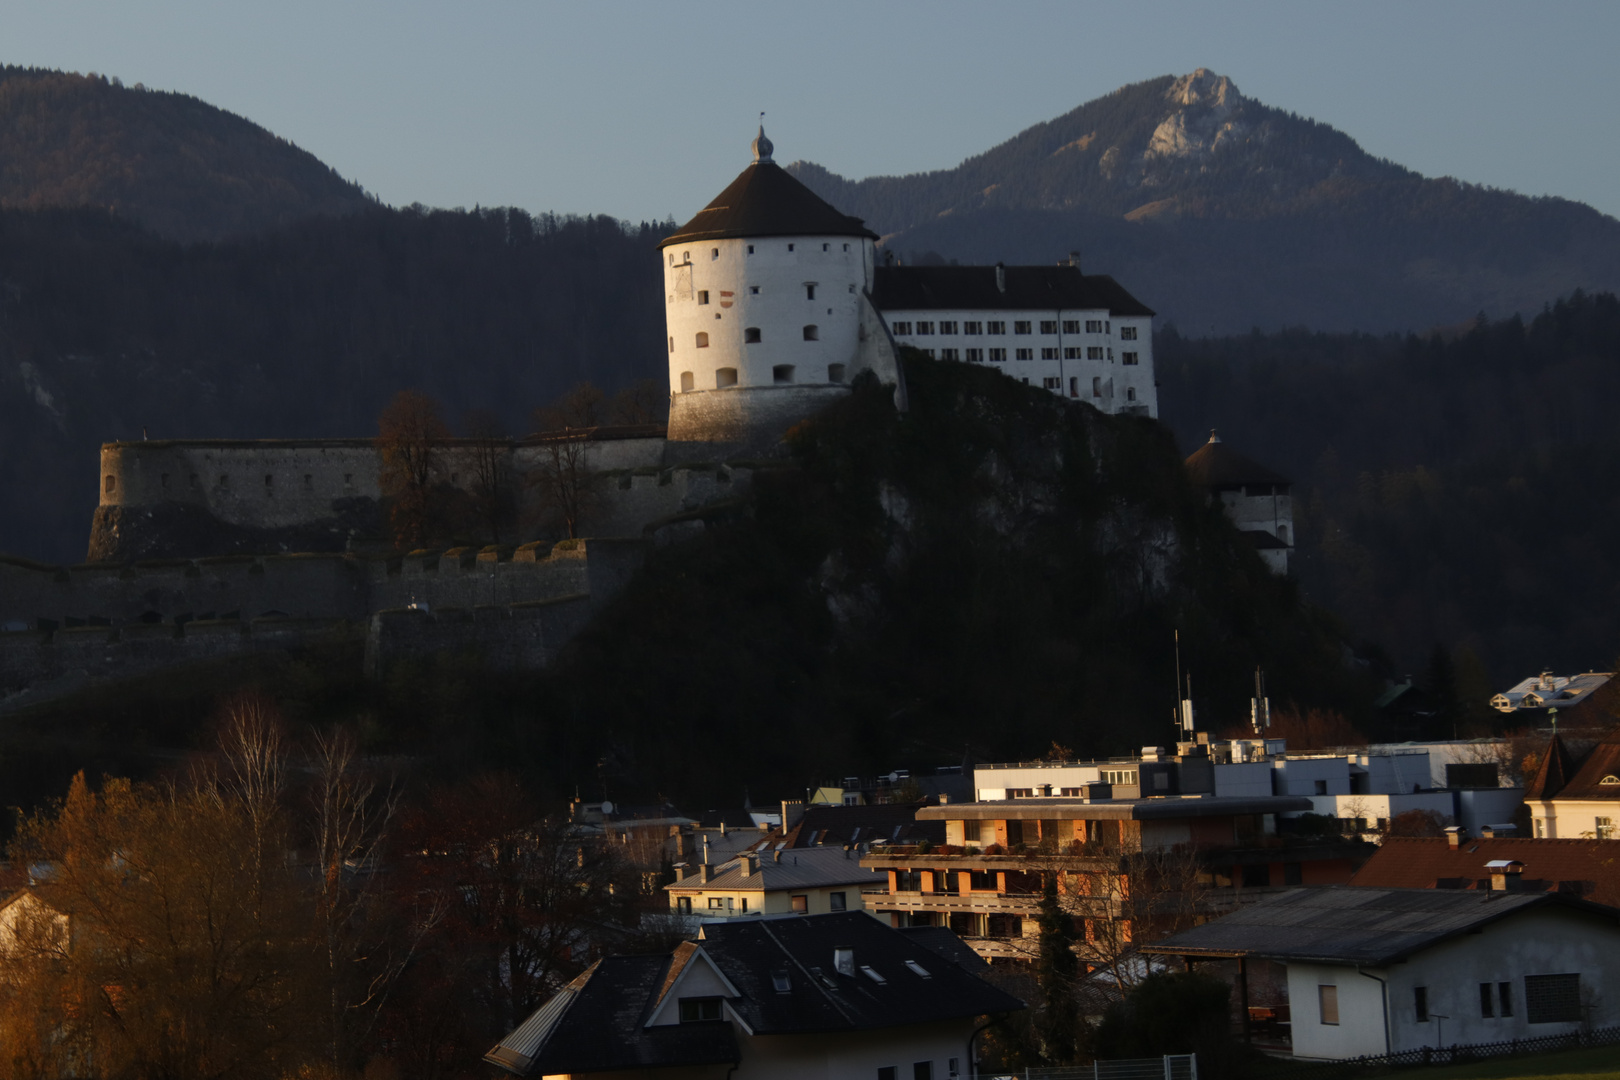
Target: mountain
(1224,214)
(172,163)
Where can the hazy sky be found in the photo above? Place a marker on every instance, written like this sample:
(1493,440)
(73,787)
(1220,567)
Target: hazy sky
(645,110)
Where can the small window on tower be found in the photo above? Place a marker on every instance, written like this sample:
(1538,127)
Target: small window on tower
(726,376)
(1130,393)
(835,373)
(703,296)
(811,333)
(826,247)
(702,340)
(112,483)
(751,335)
(750,249)
(790,247)
(809,292)
(714,253)
(686,382)
(846,247)
(671,344)
(782,373)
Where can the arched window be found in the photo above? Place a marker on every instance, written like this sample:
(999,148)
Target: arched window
(702,340)
(1610,779)
(686,382)
(782,373)
(751,335)
(1130,393)
(1282,533)
(811,333)
(726,376)
(835,373)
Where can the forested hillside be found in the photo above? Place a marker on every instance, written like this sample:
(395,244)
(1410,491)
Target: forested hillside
(173,163)
(1456,489)
(108,333)
(1224,214)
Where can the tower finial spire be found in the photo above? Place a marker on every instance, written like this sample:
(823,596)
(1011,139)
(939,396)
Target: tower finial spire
(762,145)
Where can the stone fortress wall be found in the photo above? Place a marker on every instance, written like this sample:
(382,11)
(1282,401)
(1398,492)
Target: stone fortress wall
(516,606)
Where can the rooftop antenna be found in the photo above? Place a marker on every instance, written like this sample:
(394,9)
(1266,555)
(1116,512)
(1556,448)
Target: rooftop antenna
(1176,712)
(1184,705)
(1260,706)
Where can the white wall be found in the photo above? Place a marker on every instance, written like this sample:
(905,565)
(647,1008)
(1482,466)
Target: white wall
(1248,778)
(1109,383)
(840,267)
(1545,942)
(1298,776)
(990,784)
(856,1054)
(1571,819)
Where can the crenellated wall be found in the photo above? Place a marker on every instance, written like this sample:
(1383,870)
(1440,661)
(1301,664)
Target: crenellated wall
(64,627)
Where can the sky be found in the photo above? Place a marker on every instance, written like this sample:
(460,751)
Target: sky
(645,110)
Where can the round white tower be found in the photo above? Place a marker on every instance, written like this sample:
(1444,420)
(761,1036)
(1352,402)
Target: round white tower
(767,295)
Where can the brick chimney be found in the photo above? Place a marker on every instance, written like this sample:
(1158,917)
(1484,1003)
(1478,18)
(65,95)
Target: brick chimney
(1455,835)
(707,870)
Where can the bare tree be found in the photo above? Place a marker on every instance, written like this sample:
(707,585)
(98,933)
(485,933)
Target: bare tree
(642,402)
(410,436)
(492,493)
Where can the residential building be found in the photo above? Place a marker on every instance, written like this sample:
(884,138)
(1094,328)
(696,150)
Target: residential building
(1081,336)
(1550,692)
(808,881)
(1589,869)
(1373,970)
(856,823)
(828,995)
(1570,801)
(1257,500)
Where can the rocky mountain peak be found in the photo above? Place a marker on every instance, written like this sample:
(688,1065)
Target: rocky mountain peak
(1204,87)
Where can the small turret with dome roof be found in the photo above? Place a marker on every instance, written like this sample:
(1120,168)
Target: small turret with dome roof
(767,295)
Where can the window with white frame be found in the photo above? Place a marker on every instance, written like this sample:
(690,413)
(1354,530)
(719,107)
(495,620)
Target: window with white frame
(1327,1004)
(1093,326)
(902,329)
(1127,333)
(1128,358)
(1094,352)
(1021,326)
(998,356)
(995,327)
(972,327)
(1049,326)
(1072,352)
(1049,352)
(947,327)
(950,354)
(1025,354)
(975,356)
(924,328)
(1071,326)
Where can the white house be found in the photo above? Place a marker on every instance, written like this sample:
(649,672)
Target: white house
(801,881)
(1080,336)
(783,998)
(1574,802)
(1257,500)
(1373,970)
(1549,691)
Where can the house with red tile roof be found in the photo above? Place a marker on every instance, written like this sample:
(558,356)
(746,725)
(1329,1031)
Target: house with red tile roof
(1570,800)
(1589,869)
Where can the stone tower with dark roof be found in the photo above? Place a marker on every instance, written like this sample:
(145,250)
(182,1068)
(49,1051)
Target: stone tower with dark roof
(769,313)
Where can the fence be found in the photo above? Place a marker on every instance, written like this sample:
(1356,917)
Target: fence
(1446,1055)
(1169,1067)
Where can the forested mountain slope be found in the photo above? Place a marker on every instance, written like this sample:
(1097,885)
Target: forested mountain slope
(108,333)
(1224,213)
(1456,489)
(175,164)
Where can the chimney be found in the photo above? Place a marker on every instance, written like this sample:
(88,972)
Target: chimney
(750,865)
(1001,278)
(792,813)
(943,798)
(707,871)
(1505,874)
(1455,835)
(1487,832)
(776,856)
(1074,259)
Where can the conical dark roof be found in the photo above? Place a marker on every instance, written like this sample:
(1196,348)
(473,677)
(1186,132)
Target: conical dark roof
(1217,465)
(765,200)
(1557,767)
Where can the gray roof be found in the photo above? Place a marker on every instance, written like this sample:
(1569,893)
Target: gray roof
(1023,288)
(1356,925)
(1165,808)
(799,868)
(599,1021)
(765,200)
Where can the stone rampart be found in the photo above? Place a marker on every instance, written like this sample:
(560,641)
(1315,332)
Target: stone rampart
(63,627)
(707,425)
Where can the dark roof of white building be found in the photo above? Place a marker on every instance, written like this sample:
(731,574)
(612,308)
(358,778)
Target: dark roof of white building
(1161,808)
(1217,465)
(1026,288)
(785,980)
(1357,925)
(765,200)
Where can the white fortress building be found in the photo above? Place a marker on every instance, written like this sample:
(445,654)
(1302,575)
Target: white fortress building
(775,301)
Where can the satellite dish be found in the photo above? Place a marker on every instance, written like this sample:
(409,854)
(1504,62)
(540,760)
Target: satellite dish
(607,807)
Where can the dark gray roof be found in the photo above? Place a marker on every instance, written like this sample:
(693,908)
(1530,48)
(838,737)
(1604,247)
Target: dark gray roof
(1029,288)
(598,1022)
(942,941)
(1217,465)
(896,823)
(766,201)
(1163,808)
(805,868)
(750,951)
(1350,925)
(595,1024)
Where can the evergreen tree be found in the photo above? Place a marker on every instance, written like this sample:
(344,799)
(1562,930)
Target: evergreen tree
(1057,970)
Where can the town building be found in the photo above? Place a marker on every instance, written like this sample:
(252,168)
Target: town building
(828,995)
(805,881)
(1081,336)
(1372,971)
(856,823)
(1588,869)
(1257,499)
(1547,691)
(1574,801)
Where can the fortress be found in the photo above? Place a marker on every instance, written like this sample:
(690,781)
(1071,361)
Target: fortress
(775,303)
